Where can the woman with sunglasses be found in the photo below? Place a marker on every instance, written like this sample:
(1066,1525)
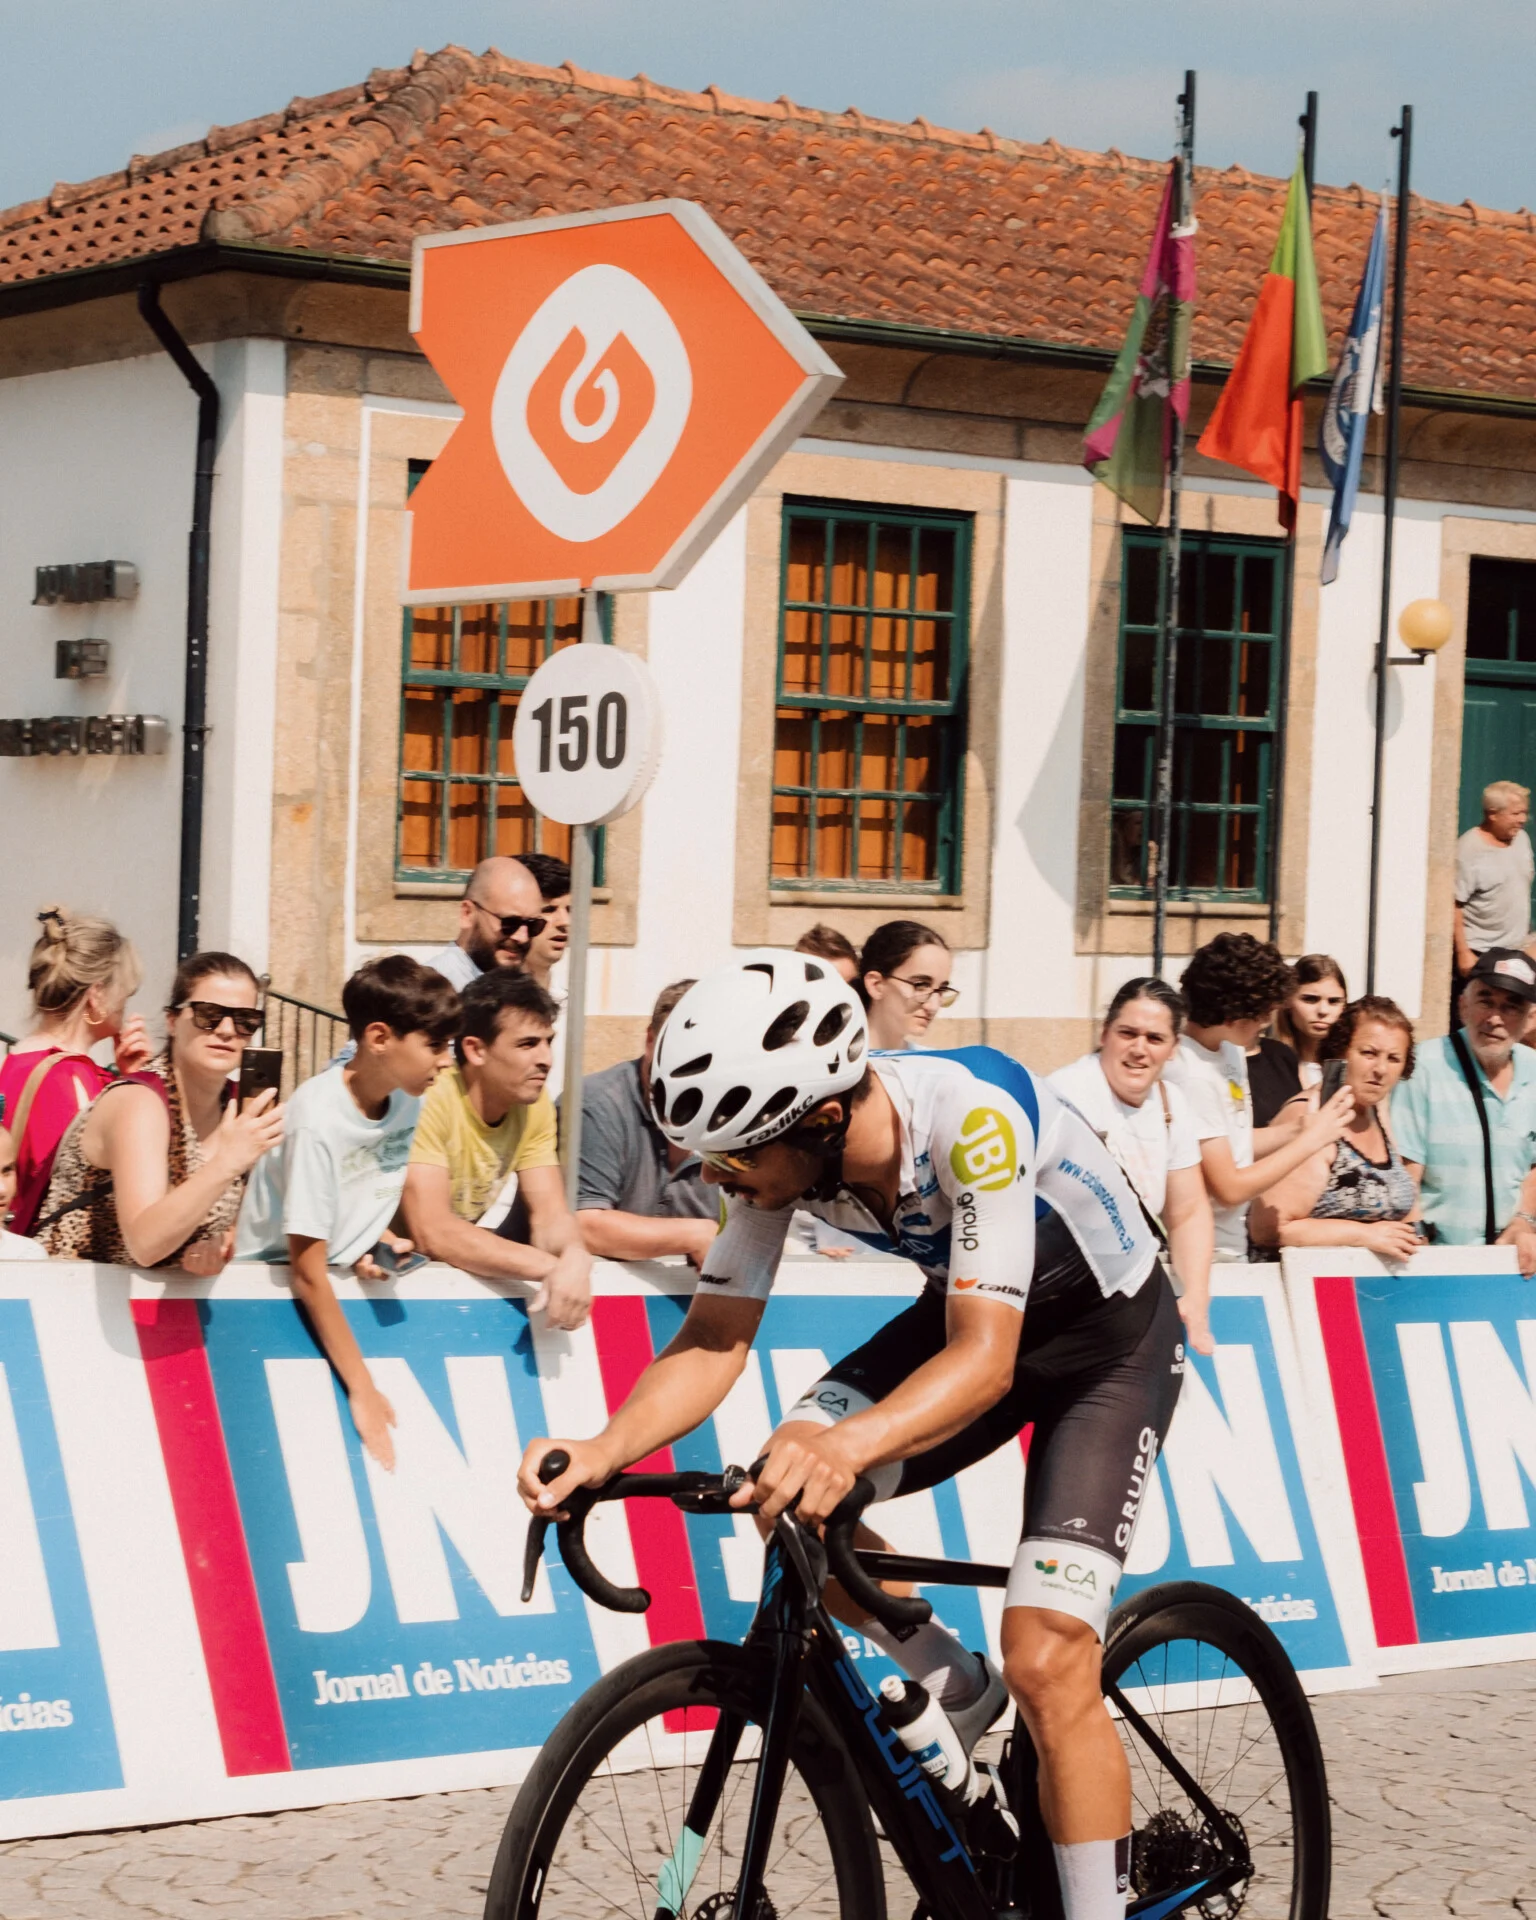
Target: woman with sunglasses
(903,980)
(152,1173)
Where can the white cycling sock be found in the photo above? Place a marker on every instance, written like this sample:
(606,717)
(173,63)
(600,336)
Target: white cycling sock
(1095,1877)
(933,1657)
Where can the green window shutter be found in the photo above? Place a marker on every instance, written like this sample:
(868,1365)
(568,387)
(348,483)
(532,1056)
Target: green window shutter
(1226,706)
(463,670)
(870,716)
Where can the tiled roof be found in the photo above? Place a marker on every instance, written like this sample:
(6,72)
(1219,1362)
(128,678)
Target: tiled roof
(849,218)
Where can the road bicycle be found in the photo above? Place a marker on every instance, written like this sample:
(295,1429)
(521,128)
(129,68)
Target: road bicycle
(707,1781)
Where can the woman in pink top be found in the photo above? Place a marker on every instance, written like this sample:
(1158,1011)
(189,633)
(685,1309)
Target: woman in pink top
(81,977)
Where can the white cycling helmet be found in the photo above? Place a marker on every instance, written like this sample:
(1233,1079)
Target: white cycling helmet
(751,1048)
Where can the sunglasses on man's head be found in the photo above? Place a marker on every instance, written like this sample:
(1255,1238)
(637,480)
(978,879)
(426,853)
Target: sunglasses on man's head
(512,924)
(208,1016)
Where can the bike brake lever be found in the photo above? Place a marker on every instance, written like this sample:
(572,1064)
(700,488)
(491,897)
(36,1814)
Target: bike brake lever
(551,1467)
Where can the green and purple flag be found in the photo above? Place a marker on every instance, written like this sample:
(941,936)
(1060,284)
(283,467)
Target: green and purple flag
(1127,441)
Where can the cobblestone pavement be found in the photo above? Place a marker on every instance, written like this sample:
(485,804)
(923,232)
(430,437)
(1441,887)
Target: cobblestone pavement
(1433,1783)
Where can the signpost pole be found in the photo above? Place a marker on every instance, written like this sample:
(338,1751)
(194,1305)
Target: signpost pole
(581,940)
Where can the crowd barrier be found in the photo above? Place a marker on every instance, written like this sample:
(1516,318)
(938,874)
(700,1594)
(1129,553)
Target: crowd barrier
(212,1602)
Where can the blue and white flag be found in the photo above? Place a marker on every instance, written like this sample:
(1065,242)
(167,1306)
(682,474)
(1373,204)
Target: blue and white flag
(1356,395)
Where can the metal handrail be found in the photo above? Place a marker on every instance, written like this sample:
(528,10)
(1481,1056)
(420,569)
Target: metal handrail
(308,1036)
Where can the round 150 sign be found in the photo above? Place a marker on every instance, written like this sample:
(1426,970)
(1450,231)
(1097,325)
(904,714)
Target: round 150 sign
(587,735)
(626,378)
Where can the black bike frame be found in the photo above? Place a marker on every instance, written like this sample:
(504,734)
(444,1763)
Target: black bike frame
(809,1655)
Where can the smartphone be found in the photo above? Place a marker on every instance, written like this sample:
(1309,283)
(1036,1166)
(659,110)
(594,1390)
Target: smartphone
(1333,1079)
(260,1068)
(397,1263)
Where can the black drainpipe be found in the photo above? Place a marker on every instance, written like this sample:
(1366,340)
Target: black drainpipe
(194,722)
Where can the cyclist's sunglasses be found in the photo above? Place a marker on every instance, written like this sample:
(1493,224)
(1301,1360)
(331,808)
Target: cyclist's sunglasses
(730,1162)
(512,924)
(208,1016)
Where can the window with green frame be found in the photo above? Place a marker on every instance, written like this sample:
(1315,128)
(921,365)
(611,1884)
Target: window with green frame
(1225,708)
(869,731)
(463,673)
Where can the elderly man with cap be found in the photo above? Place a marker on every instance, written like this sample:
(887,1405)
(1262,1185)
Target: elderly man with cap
(1466,1121)
(499,916)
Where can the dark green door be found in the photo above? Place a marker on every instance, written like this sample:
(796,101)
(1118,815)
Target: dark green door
(1498,727)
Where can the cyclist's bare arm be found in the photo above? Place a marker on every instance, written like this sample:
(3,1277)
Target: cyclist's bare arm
(677,1392)
(943,1397)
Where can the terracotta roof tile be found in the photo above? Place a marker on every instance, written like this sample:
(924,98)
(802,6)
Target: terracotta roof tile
(849,217)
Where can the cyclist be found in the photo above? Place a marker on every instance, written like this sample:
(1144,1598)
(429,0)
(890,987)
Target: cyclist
(1045,1302)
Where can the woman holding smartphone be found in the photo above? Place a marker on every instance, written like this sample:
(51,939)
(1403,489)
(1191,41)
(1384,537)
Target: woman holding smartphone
(1356,1192)
(152,1173)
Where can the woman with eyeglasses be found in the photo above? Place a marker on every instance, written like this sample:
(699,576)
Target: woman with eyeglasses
(903,980)
(152,1173)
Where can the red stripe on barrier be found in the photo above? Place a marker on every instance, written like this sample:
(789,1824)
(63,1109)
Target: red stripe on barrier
(1365,1462)
(659,1533)
(244,1687)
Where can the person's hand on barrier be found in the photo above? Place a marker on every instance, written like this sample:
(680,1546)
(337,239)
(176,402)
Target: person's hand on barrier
(590,1466)
(816,1463)
(131,1049)
(373,1417)
(564,1295)
(204,1258)
(1197,1326)
(1331,1122)
(247,1132)
(701,1236)
(1392,1240)
(1520,1235)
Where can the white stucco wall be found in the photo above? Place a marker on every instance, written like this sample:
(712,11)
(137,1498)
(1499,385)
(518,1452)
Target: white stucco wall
(104,471)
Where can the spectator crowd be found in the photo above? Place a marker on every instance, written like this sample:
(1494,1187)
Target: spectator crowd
(1254,1107)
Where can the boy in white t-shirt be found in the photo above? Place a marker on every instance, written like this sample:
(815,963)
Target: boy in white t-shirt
(327,1196)
(1232,986)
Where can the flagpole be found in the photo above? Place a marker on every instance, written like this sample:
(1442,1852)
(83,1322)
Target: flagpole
(1168,612)
(1404,135)
(1308,124)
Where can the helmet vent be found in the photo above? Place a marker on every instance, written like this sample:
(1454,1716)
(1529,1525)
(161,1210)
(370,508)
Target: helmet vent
(831,1024)
(686,1105)
(855,1047)
(771,1108)
(813,972)
(659,1097)
(731,1103)
(701,1065)
(759,966)
(786,1026)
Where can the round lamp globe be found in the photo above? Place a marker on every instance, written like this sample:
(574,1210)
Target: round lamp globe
(1425,625)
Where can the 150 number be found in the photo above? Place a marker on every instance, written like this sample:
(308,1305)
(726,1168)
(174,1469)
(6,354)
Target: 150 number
(576,731)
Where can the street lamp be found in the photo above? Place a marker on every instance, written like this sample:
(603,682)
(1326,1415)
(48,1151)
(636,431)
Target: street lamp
(1425,626)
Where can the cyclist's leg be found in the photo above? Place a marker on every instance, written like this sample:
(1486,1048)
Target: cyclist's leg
(1116,1383)
(957,1678)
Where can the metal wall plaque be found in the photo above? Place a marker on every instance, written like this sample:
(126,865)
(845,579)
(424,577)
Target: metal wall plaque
(82,583)
(73,733)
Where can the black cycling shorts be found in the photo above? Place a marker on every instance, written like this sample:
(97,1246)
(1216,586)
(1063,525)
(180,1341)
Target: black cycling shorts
(1098,1379)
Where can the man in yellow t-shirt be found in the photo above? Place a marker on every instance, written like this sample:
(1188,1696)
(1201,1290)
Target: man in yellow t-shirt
(483,1120)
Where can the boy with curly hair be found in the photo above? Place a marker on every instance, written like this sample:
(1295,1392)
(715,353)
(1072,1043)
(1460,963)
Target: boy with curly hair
(1232,986)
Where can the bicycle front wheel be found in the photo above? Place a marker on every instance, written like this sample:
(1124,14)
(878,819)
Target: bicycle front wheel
(1214,1688)
(637,1805)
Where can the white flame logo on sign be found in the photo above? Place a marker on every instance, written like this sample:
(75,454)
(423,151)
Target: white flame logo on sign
(626,339)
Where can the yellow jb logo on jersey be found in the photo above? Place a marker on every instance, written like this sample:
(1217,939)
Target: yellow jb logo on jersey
(985,1156)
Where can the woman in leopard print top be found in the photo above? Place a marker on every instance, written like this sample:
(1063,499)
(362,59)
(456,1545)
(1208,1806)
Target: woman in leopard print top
(152,1173)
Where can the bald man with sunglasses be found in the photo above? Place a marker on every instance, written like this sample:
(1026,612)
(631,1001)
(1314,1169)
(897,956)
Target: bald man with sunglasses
(500,916)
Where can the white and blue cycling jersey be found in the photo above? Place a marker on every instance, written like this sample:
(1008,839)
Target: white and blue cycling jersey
(1005,1190)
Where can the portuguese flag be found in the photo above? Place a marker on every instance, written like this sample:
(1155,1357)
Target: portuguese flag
(1126,444)
(1257,424)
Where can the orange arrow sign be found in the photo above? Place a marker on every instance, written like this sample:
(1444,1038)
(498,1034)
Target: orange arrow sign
(626,379)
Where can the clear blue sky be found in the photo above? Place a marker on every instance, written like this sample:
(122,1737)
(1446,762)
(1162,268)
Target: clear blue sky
(89,83)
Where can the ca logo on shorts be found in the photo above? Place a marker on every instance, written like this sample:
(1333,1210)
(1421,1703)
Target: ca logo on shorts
(986,1155)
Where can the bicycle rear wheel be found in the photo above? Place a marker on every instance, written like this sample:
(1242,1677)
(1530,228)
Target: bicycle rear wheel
(600,1828)
(1214,1686)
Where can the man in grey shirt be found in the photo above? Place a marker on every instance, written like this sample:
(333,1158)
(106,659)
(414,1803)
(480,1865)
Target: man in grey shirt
(1494,869)
(637,1196)
(498,917)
